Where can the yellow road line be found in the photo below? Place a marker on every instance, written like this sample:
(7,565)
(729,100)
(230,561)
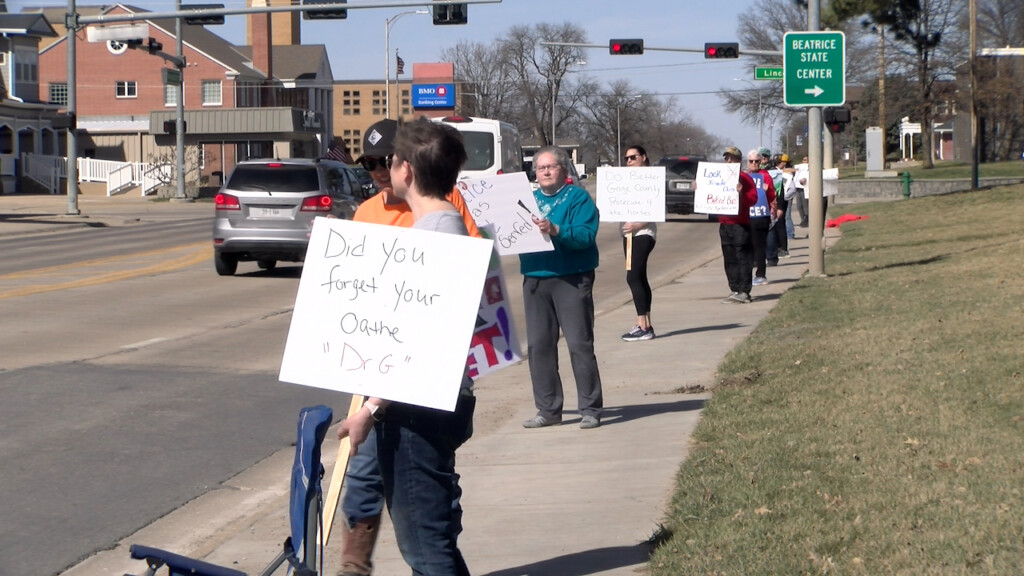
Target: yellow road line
(190,259)
(97,262)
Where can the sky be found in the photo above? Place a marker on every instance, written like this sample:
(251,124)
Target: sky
(355,45)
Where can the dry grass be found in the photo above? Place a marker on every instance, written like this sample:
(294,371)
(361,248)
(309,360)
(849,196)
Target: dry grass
(874,423)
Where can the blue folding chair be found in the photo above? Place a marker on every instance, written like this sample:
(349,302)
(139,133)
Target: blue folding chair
(301,547)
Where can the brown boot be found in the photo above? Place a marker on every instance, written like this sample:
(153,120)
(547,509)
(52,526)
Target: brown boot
(357,547)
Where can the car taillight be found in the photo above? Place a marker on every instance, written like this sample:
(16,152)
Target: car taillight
(226,202)
(316,204)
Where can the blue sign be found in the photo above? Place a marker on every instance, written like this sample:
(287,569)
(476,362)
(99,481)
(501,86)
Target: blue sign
(433,95)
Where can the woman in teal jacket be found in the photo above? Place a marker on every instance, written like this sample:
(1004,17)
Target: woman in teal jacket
(558,294)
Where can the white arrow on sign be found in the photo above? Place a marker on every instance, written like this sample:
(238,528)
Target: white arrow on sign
(817,91)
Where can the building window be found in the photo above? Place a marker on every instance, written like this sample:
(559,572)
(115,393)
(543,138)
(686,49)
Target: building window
(211,93)
(126,89)
(170,95)
(58,92)
(353,141)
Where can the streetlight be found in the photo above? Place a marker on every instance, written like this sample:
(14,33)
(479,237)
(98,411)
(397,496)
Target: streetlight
(618,124)
(760,117)
(554,94)
(387,58)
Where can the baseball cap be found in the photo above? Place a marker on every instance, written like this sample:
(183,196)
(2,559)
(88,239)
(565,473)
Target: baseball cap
(784,157)
(379,139)
(732,151)
(764,153)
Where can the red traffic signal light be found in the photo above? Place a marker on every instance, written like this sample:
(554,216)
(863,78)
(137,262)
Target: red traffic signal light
(618,47)
(721,50)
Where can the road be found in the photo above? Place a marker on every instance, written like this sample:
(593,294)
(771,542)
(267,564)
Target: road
(135,379)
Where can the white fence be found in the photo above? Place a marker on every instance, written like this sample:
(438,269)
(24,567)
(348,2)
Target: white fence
(119,176)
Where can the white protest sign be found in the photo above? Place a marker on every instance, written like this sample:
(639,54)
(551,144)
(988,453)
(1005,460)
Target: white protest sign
(631,193)
(505,201)
(830,181)
(495,343)
(715,188)
(385,311)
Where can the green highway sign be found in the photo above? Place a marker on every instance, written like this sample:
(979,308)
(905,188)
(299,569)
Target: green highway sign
(172,76)
(767,73)
(814,69)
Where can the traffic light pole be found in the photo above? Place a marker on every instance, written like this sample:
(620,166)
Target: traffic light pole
(179,116)
(775,53)
(815,204)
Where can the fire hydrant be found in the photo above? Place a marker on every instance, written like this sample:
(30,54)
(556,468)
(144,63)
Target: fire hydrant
(906,184)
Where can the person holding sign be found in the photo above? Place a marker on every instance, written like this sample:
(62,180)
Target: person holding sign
(558,293)
(762,212)
(734,231)
(416,445)
(637,243)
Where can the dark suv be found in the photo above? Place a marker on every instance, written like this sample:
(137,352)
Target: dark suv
(680,174)
(265,210)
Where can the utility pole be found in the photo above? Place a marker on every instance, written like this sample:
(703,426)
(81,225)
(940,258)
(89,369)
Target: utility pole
(816,224)
(71,23)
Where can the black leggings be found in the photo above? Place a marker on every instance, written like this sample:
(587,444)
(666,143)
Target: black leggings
(636,276)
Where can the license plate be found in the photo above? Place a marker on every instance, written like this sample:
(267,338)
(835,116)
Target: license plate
(682,185)
(262,212)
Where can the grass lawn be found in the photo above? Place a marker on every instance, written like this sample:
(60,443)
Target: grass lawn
(874,421)
(948,170)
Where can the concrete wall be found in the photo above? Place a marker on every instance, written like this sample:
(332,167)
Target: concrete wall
(872,189)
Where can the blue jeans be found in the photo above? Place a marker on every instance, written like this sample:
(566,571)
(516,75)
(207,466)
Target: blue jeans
(364,488)
(790,228)
(416,450)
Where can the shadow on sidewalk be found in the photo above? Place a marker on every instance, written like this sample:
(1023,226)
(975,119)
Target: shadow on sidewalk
(622,414)
(697,329)
(583,563)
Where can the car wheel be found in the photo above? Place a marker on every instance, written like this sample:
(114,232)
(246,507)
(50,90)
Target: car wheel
(226,264)
(266,264)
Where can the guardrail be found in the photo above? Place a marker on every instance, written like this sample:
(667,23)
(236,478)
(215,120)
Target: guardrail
(45,170)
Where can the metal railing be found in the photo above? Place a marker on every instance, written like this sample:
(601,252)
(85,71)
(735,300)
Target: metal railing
(118,176)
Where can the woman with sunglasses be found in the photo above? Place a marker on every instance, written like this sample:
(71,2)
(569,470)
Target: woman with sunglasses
(637,244)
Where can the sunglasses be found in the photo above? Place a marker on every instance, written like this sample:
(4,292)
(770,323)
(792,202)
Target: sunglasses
(370,163)
(632,157)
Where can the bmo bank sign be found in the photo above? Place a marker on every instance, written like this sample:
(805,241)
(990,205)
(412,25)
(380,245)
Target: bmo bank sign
(433,95)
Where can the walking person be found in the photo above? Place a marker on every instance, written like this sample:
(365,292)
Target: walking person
(363,501)
(416,445)
(558,294)
(638,240)
(778,239)
(734,231)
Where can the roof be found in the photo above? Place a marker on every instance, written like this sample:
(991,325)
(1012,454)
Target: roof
(27,25)
(198,38)
(294,62)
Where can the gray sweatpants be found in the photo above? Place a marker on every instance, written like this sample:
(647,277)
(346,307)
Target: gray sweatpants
(565,302)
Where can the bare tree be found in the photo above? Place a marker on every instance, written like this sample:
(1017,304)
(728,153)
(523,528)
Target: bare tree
(484,76)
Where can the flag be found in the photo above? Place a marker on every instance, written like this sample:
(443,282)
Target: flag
(339,152)
(399,64)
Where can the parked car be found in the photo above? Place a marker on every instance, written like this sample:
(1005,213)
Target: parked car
(365,180)
(680,175)
(265,209)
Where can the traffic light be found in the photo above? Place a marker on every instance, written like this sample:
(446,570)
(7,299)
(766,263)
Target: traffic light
(721,50)
(618,46)
(171,127)
(204,19)
(153,47)
(835,119)
(450,14)
(332,14)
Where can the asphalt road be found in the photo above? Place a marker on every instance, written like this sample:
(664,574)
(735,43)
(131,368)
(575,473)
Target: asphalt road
(135,379)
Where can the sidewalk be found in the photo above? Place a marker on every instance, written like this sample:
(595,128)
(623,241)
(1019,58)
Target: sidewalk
(22,214)
(557,501)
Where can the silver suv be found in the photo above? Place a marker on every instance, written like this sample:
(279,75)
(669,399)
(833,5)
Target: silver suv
(265,210)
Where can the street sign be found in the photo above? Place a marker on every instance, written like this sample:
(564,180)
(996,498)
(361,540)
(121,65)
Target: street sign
(814,69)
(172,76)
(767,73)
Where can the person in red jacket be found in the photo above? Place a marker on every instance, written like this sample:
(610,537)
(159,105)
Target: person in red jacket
(734,231)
